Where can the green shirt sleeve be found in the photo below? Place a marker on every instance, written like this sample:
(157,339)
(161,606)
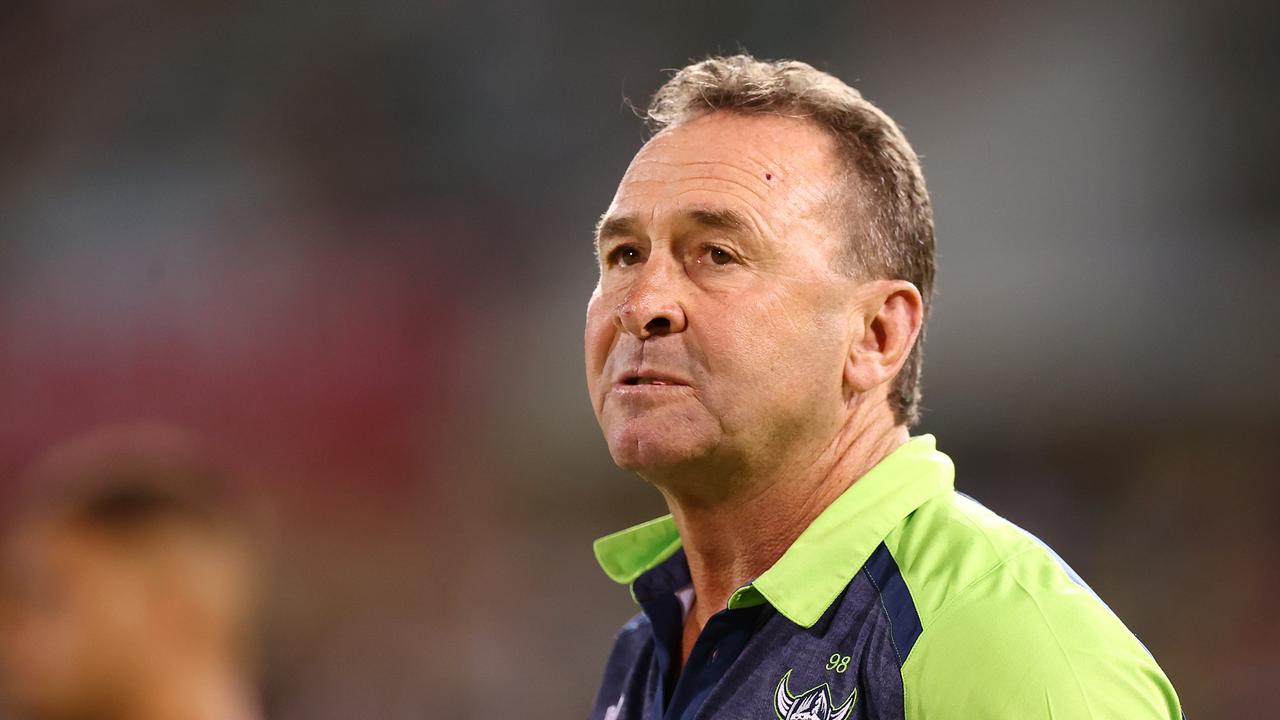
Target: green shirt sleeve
(1023,642)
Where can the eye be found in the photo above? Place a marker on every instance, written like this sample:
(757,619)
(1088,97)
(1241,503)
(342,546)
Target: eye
(718,255)
(624,255)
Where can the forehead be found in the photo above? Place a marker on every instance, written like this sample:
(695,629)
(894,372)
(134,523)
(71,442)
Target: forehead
(779,168)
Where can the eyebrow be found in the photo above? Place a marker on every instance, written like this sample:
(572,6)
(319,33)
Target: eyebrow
(611,227)
(721,219)
(718,218)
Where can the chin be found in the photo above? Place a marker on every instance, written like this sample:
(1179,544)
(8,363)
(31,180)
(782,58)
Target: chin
(646,450)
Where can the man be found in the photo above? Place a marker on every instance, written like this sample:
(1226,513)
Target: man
(753,350)
(127,588)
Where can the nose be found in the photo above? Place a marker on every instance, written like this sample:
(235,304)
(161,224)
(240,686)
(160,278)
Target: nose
(652,305)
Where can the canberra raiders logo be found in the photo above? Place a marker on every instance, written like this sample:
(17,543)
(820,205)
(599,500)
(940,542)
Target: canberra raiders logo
(812,704)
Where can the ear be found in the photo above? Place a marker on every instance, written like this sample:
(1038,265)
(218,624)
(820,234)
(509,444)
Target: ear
(888,315)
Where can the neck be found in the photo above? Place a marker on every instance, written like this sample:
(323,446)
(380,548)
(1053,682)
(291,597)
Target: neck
(733,540)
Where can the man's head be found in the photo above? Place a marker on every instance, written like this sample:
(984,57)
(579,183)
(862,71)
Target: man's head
(765,270)
(128,571)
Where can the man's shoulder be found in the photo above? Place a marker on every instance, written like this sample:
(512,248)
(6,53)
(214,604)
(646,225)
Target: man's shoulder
(1008,627)
(952,543)
(632,639)
(635,628)
(964,563)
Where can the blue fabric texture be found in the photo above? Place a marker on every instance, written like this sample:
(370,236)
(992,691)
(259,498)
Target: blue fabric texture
(755,663)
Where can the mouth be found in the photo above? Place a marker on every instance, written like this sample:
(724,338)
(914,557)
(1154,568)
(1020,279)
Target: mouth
(642,379)
(647,381)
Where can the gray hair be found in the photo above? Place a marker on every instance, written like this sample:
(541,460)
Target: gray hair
(887,211)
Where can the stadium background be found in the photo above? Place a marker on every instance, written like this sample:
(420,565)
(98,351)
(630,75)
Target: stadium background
(351,243)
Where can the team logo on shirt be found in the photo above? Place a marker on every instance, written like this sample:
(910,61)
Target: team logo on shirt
(614,711)
(812,704)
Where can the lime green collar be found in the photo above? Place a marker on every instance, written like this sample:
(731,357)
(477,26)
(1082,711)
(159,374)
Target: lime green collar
(809,576)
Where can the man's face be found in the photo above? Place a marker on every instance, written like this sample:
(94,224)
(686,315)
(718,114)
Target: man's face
(718,332)
(73,619)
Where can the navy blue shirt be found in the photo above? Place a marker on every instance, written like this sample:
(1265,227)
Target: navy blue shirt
(903,600)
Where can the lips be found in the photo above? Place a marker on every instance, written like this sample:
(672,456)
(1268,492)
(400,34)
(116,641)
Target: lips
(646,381)
(648,378)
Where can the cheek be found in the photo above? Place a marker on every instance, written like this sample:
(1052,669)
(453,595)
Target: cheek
(598,338)
(49,645)
(775,346)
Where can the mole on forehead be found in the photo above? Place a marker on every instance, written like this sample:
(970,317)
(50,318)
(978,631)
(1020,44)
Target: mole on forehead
(761,159)
(762,180)
(684,178)
(764,186)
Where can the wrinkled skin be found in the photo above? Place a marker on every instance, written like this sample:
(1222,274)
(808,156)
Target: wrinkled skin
(750,327)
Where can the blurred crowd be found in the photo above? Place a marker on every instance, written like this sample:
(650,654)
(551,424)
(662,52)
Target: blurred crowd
(292,415)
(126,586)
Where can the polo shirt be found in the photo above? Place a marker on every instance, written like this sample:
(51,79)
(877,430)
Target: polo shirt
(903,599)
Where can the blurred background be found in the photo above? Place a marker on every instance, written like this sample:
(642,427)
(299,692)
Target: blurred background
(350,244)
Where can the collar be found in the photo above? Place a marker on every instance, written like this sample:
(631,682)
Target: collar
(818,566)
